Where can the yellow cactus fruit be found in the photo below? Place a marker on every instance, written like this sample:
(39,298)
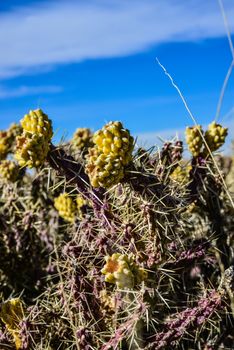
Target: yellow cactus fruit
(122,270)
(37,123)
(82,139)
(112,151)
(7,139)
(215,136)
(194,139)
(104,171)
(31,150)
(66,207)
(4,144)
(181,174)
(9,170)
(80,202)
(114,140)
(12,313)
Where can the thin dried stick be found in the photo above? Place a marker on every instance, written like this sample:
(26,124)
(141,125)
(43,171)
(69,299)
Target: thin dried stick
(229,72)
(195,122)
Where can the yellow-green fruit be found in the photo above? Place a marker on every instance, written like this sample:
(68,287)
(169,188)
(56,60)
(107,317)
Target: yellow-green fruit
(82,138)
(114,140)
(31,150)
(104,170)
(181,174)
(215,136)
(194,139)
(112,151)
(38,123)
(4,144)
(66,207)
(9,170)
(122,271)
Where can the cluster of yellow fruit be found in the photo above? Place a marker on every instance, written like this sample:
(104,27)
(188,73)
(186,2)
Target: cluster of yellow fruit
(7,139)
(123,271)
(4,144)
(214,137)
(112,151)
(82,139)
(9,170)
(69,207)
(32,146)
(12,314)
(181,173)
(194,139)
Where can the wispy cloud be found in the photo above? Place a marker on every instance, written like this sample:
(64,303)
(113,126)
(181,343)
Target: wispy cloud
(28,91)
(70,31)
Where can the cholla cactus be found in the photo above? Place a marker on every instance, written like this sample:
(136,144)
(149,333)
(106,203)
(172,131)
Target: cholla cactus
(215,136)
(112,151)
(194,139)
(12,314)
(66,207)
(89,287)
(9,170)
(122,270)
(37,123)
(31,150)
(82,139)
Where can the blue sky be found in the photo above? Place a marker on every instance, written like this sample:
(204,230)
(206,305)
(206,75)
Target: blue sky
(86,62)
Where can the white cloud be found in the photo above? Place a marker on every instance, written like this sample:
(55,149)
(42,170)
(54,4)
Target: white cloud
(28,90)
(71,31)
